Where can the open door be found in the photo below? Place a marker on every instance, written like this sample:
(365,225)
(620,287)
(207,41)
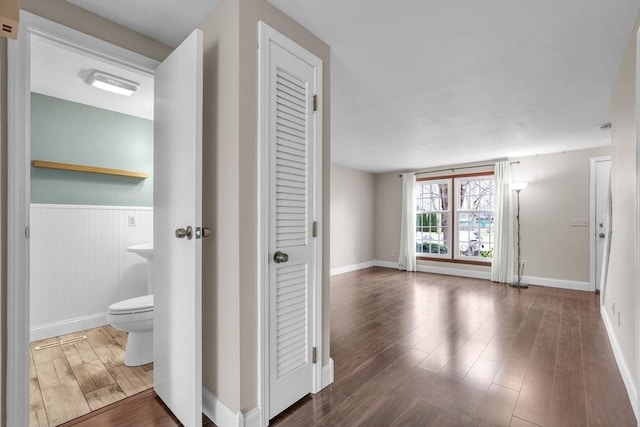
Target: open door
(177,195)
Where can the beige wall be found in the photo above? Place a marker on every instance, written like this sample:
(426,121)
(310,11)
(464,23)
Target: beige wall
(74,17)
(558,191)
(231,142)
(620,285)
(352,216)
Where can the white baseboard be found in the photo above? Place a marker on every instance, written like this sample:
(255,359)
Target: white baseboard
(222,416)
(327,373)
(555,283)
(352,267)
(627,377)
(67,326)
(385,264)
(474,274)
(486,275)
(218,412)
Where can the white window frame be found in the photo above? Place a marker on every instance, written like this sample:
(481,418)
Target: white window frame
(457,182)
(453,232)
(449,215)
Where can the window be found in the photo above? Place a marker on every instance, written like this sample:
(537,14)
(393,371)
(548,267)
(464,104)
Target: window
(463,216)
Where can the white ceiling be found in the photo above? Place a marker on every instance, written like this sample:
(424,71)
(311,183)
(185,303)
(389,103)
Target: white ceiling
(426,83)
(60,71)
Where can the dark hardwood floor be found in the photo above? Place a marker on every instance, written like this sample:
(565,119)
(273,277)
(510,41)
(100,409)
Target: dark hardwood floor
(144,409)
(417,349)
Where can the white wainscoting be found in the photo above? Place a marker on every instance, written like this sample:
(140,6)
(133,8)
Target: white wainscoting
(79,264)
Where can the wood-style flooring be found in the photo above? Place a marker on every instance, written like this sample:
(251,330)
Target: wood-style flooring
(417,349)
(71,380)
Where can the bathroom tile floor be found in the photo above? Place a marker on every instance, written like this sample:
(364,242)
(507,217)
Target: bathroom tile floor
(73,379)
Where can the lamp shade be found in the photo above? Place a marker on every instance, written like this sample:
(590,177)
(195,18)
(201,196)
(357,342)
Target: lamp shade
(517,186)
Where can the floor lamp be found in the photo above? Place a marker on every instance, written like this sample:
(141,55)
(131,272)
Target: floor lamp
(518,187)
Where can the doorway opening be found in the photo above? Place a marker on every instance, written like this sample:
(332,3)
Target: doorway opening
(64,264)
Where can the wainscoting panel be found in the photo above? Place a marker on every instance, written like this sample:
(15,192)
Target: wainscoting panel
(79,264)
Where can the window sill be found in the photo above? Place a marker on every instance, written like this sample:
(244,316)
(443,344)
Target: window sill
(455,261)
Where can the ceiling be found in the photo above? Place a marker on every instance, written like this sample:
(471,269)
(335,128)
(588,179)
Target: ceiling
(416,84)
(61,71)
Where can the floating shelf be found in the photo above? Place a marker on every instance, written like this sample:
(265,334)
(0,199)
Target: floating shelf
(88,169)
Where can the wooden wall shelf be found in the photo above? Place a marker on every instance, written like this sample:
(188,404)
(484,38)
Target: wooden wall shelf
(88,169)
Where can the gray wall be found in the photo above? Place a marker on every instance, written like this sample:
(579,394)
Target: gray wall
(68,132)
(558,191)
(352,216)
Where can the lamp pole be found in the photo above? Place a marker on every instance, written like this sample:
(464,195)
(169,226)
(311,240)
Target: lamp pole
(518,284)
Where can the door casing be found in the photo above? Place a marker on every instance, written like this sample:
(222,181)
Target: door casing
(267,35)
(593,226)
(18,187)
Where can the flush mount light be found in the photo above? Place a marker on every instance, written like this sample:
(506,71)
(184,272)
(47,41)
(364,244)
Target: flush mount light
(115,84)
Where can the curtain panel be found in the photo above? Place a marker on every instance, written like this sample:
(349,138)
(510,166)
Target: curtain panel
(502,266)
(407,253)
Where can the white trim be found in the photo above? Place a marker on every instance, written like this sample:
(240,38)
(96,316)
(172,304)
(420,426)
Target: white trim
(327,373)
(352,267)
(627,377)
(266,35)
(18,180)
(385,264)
(91,207)
(636,402)
(556,283)
(486,275)
(67,326)
(222,416)
(592,219)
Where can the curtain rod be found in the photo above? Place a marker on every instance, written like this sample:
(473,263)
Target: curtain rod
(460,168)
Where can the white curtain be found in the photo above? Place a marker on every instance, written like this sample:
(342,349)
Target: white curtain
(502,266)
(407,258)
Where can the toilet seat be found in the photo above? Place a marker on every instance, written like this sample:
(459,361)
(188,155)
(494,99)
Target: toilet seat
(143,304)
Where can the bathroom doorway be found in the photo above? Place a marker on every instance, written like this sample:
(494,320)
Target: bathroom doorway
(91,187)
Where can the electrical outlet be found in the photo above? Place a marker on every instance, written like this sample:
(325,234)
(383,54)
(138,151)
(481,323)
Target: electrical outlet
(393,253)
(131,220)
(579,222)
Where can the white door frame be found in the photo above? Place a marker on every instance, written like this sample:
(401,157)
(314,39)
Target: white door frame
(636,404)
(593,227)
(268,35)
(18,188)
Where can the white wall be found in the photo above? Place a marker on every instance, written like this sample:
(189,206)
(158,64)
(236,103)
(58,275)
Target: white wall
(352,219)
(79,264)
(621,281)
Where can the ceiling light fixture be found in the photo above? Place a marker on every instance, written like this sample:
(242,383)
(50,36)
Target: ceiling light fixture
(111,83)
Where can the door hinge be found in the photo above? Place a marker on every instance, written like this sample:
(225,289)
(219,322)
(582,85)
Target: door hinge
(314,229)
(315,102)
(314,355)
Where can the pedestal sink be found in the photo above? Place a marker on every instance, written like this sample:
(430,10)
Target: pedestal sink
(145,250)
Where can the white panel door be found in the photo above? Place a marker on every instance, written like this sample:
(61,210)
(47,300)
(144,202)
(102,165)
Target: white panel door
(291,214)
(603,171)
(177,198)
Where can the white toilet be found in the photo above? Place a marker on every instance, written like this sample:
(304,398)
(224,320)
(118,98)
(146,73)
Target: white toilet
(135,316)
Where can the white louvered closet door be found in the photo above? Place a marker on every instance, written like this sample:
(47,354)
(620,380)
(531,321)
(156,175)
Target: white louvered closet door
(291,216)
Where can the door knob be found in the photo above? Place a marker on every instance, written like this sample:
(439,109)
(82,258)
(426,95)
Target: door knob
(601,235)
(279,257)
(202,232)
(181,233)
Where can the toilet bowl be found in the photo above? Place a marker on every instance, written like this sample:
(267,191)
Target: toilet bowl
(135,316)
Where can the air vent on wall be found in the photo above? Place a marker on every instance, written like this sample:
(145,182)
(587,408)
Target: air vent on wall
(9,16)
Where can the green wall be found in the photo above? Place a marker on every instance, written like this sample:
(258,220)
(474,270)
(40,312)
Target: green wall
(68,132)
